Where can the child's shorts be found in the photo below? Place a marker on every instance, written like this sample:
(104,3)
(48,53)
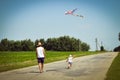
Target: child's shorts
(70,62)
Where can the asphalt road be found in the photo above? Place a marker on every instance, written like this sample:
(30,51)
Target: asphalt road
(92,67)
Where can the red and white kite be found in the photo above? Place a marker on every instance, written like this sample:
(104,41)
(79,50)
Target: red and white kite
(71,12)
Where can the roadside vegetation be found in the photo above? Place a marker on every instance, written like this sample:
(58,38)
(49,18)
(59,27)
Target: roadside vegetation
(114,70)
(14,60)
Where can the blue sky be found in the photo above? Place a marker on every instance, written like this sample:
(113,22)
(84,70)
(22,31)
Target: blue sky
(36,19)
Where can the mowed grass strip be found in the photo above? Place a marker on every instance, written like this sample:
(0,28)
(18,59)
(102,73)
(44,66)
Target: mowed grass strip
(15,60)
(114,70)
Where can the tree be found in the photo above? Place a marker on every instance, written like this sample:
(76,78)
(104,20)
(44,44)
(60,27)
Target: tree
(117,49)
(27,45)
(17,46)
(84,47)
(64,43)
(51,44)
(11,45)
(102,48)
(4,44)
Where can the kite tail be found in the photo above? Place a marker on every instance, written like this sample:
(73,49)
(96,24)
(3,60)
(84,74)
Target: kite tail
(78,15)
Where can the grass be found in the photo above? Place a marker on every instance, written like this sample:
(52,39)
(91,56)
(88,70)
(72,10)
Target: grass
(114,70)
(15,60)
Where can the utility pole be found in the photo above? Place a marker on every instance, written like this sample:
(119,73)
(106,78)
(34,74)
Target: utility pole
(101,43)
(96,41)
(119,36)
(79,45)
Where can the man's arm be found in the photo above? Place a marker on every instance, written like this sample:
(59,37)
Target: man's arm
(44,52)
(36,53)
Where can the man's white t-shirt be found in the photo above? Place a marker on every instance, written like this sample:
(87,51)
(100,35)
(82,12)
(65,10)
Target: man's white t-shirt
(40,52)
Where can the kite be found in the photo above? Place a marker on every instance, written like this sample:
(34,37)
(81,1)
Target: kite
(71,12)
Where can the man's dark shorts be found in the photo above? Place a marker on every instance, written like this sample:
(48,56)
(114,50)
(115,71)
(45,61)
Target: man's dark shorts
(40,60)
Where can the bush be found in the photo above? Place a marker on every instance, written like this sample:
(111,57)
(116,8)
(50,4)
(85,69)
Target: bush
(117,49)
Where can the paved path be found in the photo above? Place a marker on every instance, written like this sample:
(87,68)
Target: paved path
(93,67)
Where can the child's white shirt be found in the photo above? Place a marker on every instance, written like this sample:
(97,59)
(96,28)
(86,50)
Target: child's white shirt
(70,59)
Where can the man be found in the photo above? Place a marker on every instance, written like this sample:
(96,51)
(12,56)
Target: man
(40,53)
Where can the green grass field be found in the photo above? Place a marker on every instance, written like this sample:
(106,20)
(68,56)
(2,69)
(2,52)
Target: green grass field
(114,70)
(15,60)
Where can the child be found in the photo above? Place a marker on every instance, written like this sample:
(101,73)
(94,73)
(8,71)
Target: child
(70,60)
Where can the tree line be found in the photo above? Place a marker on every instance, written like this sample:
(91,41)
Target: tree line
(63,43)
